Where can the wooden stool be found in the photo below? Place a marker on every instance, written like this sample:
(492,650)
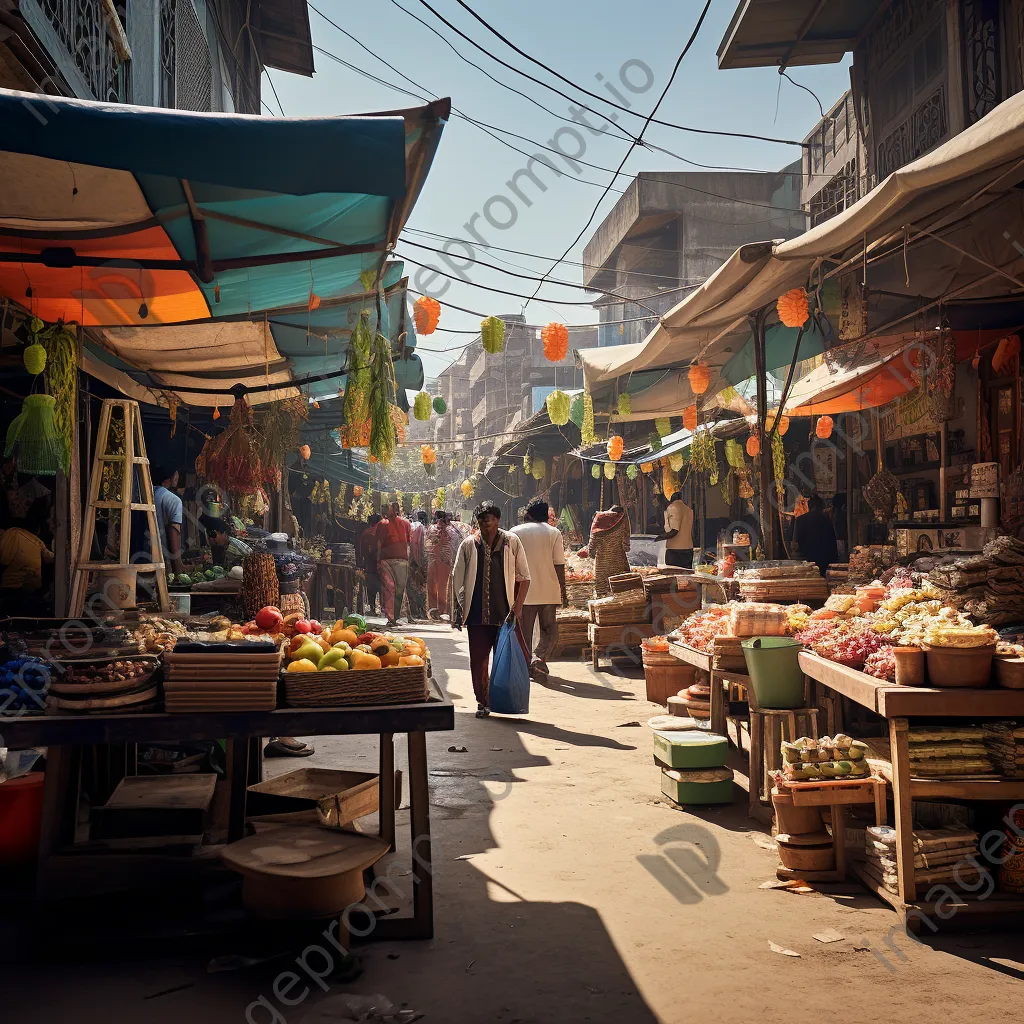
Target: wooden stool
(768,729)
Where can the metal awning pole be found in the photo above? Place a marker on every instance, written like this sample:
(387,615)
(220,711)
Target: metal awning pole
(764,459)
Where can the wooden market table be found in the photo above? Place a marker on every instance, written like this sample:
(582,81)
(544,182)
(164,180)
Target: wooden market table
(337,578)
(897,704)
(65,735)
(719,680)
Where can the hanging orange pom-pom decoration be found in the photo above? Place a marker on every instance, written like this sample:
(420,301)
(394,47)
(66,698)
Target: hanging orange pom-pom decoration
(783,425)
(792,308)
(690,418)
(753,446)
(700,378)
(783,422)
(304,451)
(646,467)
(1006,350)
(556,341)
(216,412)
(428,453)
(357,491)
(615,447)
(426,314)
(823,428)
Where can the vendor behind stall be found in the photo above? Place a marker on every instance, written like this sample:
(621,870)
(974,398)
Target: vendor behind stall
(22,555)
(228,551)
(815,536)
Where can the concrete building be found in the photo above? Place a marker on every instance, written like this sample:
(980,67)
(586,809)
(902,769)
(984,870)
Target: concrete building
(186,54)
(671,231)
(923,71)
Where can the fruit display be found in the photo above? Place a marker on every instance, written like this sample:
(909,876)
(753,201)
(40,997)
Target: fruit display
(340,648)
(156,635)
(811,760)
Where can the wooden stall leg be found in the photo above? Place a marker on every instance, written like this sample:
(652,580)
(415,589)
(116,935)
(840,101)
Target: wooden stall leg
(594,659)
(880,815)
(756,769)
(238,780)
(903,807)
(839,839)
(386,814)
(718,725)
(422,870)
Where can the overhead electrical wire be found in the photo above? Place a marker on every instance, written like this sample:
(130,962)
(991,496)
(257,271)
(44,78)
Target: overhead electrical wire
(619,131)
(490,129)
(579,88)
(632,145)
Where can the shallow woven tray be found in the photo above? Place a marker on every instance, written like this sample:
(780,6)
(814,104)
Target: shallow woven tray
(624,582)
(406,685)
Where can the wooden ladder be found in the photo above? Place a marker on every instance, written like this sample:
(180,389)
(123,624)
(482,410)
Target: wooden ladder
(134,454)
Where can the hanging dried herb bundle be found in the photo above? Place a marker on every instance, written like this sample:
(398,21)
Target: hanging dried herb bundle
(278,425)
(233,457)
(60,377)
(360,383)
(383,432)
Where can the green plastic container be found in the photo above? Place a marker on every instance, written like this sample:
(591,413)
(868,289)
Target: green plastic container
(774,669)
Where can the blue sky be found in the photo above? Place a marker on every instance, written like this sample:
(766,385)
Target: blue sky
(580,40)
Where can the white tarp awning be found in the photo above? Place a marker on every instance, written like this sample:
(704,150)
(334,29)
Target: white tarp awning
(943,227)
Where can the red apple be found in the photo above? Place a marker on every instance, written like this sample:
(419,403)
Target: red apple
(303,626)
(268,619)
(315,627)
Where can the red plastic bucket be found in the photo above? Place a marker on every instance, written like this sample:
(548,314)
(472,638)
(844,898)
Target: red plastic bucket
(21,815)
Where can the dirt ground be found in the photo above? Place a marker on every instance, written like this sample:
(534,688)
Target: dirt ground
(567,889)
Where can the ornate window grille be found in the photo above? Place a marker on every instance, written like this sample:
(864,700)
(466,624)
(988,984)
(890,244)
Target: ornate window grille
(168,36)
(981,57)
(86,54)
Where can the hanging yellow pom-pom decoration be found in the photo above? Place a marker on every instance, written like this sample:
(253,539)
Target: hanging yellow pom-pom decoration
(595,471)
(625,404)
(675,462)
(556,341)
(467,489)
(426,314)
(492,335)
(34,358)
(663,425)
(823,428)
(792,308)
(539,469)
(558,404)
(646,467)
(609,471)
(587,435)
(527,463)
(421,406)
(615,447)
(754,446)
(690,418)
(699,377)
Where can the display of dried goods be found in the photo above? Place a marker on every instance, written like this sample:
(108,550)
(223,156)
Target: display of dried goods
(880,493)
(941,634)
(156,635)
(846,642)
(232,458)
(701,628)
(881,664)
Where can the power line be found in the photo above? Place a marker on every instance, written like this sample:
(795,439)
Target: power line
(273,89)
(490,129)
(620,132)
(586,92)
(632,145)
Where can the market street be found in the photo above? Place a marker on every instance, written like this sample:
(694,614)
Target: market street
(567,889)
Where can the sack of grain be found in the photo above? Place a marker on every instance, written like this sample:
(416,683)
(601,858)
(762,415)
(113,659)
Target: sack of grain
(752,619)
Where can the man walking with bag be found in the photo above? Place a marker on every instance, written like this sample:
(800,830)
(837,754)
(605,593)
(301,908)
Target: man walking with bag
(490,581)
(546,557)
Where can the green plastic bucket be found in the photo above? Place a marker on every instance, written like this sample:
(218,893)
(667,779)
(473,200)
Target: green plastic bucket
(774,669)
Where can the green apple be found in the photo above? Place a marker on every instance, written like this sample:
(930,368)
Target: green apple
(333,659)
(309,650)
(342,645)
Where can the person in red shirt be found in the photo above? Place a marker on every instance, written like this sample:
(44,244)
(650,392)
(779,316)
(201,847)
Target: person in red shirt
(394,536)
(366,559)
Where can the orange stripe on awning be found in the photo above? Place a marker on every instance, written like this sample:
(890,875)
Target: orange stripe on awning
(105,296)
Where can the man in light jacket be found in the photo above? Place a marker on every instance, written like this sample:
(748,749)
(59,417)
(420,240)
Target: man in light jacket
(490,580)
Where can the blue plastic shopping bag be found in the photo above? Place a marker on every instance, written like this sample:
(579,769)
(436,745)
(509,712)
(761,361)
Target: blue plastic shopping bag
(510,675)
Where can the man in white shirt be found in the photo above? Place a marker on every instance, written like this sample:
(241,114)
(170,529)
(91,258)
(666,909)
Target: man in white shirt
(546,557)
(168,517)
(678,535)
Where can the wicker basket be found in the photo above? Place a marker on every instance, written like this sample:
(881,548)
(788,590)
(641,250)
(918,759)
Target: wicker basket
(405,685)
(626,581)
(621,609)
(578,594)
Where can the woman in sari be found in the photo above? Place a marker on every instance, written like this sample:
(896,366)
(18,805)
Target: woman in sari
(609,545)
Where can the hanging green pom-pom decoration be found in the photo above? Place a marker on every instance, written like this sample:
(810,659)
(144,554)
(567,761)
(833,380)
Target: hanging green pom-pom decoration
(655,443)
(440,406)
(609,471)
(539,470)
(35,359)
(558,408)
(632,472)
(587,435)
(421,406)
(595,471)
(625,404)
(527,463)
(663,425)
(576,411)
(734,454)
(492,335)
